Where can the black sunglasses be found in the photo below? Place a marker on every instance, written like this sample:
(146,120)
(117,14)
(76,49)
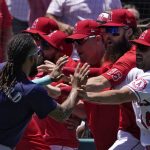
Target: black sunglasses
(82,41)
(45,44)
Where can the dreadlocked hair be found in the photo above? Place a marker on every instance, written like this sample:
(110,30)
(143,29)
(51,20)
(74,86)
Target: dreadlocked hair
(18,49)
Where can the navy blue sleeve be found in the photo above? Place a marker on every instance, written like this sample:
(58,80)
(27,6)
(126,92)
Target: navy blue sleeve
(40,102)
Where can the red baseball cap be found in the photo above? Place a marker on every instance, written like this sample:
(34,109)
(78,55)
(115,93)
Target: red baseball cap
(42,25)
(84,29)
(121,17)
(57,40)
(144,38)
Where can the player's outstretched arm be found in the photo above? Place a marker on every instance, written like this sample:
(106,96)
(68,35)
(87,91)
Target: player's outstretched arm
(110,97)
(53,70)
(64,110)
(96,84)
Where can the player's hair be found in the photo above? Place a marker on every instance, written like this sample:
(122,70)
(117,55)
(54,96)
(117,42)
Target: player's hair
(18,49)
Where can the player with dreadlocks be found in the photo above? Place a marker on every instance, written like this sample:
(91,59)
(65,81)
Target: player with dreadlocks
(11,71)
(20,98)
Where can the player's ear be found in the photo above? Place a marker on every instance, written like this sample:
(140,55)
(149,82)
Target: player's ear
(31,59)
(129,33)
(98,37)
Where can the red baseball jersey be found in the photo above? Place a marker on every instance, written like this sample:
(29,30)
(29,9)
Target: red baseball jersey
(116,75)
(5,25)
(103,120)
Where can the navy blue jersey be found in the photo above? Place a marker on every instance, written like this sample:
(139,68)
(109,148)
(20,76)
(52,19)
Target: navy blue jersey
(17,108)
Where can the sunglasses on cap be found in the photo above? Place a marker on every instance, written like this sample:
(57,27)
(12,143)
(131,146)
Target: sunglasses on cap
(114,30)
(82,41)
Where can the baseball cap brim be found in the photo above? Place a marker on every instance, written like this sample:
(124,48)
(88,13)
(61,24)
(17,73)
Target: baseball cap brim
(47,39)
(141,42)
(67,47)
(112,24)
(33,31)
(76,37)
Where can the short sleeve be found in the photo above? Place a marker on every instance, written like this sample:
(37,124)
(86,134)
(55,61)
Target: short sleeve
(56,7)
(40,102)
(141,87)
(121,67)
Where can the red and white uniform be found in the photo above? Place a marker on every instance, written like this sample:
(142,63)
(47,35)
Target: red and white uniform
(141,87)
(129,133)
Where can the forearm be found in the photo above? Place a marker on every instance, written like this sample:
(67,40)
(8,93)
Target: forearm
(60,23)
(64,110)
(97,84)
(110,97)
(53,91)
(62,26)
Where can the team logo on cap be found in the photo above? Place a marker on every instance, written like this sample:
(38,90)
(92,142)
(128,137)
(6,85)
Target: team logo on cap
(142,36)
(139,84)
(115,74)
(103,17)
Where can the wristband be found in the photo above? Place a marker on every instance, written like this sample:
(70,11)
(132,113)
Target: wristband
(43,81)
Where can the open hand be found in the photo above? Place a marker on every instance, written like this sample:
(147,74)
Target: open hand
(80,75)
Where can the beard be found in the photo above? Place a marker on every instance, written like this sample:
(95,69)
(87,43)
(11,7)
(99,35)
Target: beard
(139,62)
(117,49)
(33,71)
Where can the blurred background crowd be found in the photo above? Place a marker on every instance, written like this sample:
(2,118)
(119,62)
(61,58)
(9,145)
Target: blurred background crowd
(23,14)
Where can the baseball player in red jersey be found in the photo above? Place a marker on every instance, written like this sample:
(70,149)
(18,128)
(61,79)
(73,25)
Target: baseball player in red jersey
(136,90)
(120,23)
(91,49)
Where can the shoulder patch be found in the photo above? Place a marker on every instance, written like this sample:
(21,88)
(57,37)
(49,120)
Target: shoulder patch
(139,84)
